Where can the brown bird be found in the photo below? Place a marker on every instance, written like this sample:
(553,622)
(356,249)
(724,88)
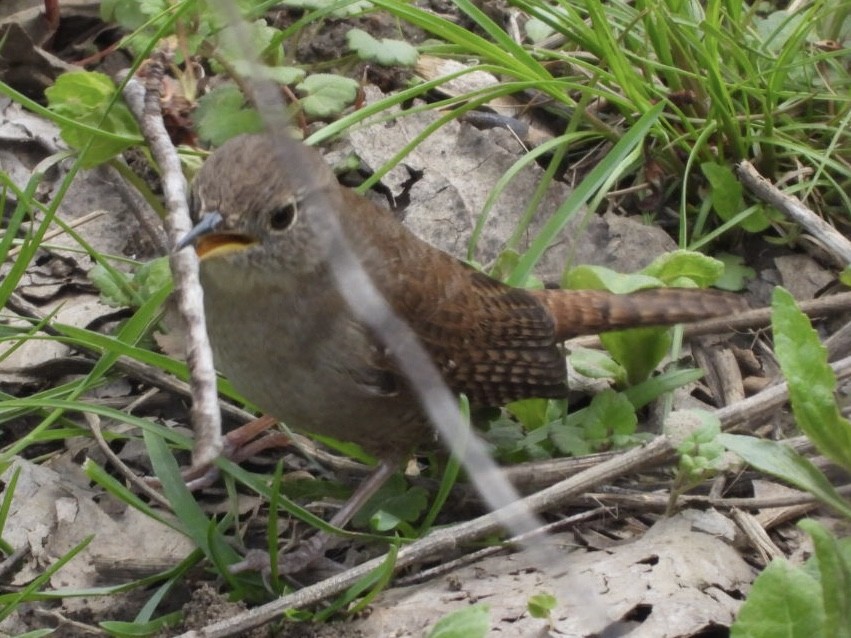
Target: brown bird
(285,337)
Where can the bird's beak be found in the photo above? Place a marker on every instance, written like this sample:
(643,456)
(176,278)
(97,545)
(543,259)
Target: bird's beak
(209,241)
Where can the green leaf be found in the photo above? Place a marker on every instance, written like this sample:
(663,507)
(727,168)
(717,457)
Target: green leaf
(812,383)
(223,114)
(532,413)
(845,276)
(261,41)
(666,381)
(784,602)
(736,274)
(541,605)
(120,290)
(601,278)
(278,74)
(385,52)
(834,567)
(504,435)
(776,28)
(392,505)
(383,521)
(407,507)
(783,462)
(132,14)
(113,293)
(469,622)
(344,9)
(267,61)
(726,194)
(638,350)
(152,276)
(726,189)
(596,364)
(570,440)
(685,269)
(537,30)
(85,97)
(133,629)
(610,416)
(327,94)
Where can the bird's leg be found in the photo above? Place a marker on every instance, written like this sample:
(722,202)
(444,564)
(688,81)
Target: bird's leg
(313,548)
(240,444)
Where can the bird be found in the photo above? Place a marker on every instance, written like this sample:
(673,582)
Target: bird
(283,334)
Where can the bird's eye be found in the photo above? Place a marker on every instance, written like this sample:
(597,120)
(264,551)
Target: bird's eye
(282,217)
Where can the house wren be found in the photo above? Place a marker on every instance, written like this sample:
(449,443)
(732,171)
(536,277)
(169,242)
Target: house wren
(287,340)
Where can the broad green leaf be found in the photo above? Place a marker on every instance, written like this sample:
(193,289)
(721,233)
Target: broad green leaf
(834,568)
(223,114)
(570,440)
(385,52)
(469,622)
(326,94)
(135,14)
(541,605)
(776,28)
(261,40)
(726,189)
(504,437)
(726,194)
(596,364)
(537,30)
(638,350)
(112,292)
(609,420)
(383,521)
(812,383)
(679,267)
(666,381)
(736,274)
(149,278)
(532,413)
(784,602)
(394,503)
(277,73)
(407,507)
(783,462)
(602,278)
(152,276)
(84,96)
(131,14)
(354,7)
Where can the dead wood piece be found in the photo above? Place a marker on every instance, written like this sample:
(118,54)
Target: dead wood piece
(837,245)
(206,417)
(757,536)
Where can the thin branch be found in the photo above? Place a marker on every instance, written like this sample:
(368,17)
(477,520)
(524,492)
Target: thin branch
(206,417)
(835,243)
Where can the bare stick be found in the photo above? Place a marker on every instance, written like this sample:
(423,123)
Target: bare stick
(658,451)
(792,207)
(206,418)
(443,540)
